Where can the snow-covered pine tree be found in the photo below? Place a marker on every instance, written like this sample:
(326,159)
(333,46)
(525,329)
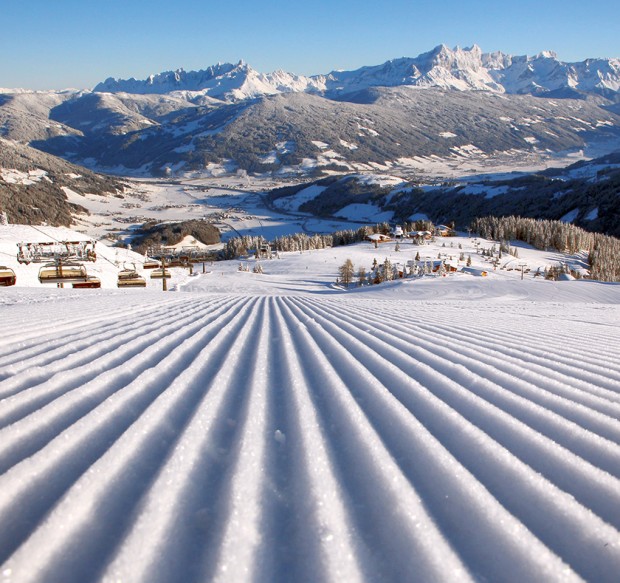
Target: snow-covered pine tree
(388,271)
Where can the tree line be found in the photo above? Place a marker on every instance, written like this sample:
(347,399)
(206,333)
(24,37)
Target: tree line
(237,247)
(603,251)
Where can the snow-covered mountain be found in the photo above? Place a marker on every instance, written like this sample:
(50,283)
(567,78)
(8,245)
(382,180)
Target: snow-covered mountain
(584,194)
(301,133)
(457,69)
(459,105)
(34,186)
(222,81)
(544,74)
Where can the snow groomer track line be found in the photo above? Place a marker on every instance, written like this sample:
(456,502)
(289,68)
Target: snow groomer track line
(309,438)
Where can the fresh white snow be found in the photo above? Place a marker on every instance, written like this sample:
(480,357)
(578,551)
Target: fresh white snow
(11,176)
(276,427)
(364,212)
(292,203)
(570,216)
(488,191)
(592,215)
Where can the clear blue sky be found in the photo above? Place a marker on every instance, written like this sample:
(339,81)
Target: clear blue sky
(56,44)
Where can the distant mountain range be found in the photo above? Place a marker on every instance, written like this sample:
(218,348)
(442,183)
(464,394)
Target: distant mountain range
(454,69)
(459,107)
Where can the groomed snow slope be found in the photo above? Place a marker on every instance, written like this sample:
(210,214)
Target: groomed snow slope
(472,435)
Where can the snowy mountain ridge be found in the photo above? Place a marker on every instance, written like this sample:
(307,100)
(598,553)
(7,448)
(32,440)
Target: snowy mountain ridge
(222,81)
(464,106)
(461,69)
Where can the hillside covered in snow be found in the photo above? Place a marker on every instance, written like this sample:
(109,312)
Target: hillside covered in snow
(583,194)
(34,186)
(429,409)
(275,426)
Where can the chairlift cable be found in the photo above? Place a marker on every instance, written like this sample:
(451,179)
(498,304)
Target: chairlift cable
(64,242)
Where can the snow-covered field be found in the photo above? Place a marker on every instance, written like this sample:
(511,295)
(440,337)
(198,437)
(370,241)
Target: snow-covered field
(273,427)
(234,204)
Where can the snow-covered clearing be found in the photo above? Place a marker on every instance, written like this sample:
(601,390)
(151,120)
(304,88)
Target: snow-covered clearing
(24,178)
(272,427)
(570,216)
(489,192)
(366,213)
(292,203)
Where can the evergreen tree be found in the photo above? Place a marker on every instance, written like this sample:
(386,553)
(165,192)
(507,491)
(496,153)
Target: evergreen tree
(388,271)
(603,251)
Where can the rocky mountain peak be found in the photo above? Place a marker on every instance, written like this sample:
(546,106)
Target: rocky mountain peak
(455,68)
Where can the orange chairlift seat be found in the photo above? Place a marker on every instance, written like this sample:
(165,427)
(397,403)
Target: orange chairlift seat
(61,272)
(7,276)
(130,278)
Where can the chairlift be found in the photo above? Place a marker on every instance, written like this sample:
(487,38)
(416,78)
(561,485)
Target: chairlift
(130,278)
(160,273)
(60,272)
(32,253)
(7,276)
(91,282)
(199,256)
(176,261)
(151,264)
(24,254)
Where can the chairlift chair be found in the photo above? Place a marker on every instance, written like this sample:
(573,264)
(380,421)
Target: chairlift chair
(91,282)
(130,278)
(7,276)
(199,257)
(176,261)
(160,273)
(24,255)
(151,264)
(60,272)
